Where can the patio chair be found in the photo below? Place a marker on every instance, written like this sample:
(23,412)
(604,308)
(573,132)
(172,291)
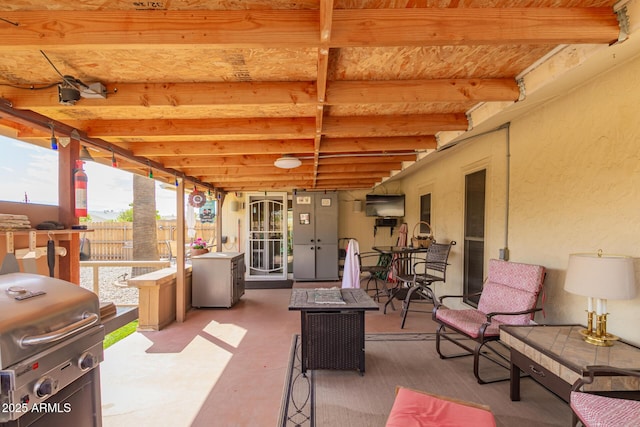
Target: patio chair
(509,297)
(599,410)
(425,273)
(375,266)
(399,278)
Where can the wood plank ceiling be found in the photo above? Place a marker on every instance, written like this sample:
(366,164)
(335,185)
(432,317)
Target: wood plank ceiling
(217,90)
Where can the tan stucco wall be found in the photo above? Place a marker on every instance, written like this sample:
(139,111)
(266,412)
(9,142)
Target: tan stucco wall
(574,187)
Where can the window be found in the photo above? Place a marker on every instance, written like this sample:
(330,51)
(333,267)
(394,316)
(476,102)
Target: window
(474,208)
(32,171)
(425,212)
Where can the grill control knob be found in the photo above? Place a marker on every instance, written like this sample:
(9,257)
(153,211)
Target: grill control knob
(86,361)
(44,387)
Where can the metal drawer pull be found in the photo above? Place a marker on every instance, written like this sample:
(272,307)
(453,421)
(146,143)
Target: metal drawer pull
(536,371)
(88,320)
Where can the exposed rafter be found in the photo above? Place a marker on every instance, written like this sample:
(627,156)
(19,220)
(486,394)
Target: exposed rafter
(217,95)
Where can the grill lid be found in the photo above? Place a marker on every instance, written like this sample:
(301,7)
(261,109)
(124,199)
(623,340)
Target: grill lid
(37,312)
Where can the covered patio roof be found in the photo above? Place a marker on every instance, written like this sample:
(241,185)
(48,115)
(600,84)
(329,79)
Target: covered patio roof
(215,92)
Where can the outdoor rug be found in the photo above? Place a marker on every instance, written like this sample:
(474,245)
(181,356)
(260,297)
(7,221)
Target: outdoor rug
(346,398)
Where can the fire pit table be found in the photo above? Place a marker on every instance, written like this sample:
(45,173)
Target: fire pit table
(332,327)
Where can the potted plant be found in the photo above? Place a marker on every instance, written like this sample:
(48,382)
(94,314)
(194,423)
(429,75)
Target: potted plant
(198,247)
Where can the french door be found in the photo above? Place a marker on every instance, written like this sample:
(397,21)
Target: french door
(267,243)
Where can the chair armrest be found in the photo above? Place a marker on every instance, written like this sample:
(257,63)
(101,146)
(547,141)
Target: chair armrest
(437,303)
(511,313)
(428,263)
(459,296)
(602,370)
(376,255)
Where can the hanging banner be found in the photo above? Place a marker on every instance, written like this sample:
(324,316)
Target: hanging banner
(208,211)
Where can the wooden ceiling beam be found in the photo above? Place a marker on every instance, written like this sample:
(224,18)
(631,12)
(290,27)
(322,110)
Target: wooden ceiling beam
(183,95)
(348,176)
(363,167)
(422,91)
(274,177)
(410,124)
(215,172)
(271,128)
(351,160)
(173,95)
(51,29)
(378,144)
(342,184)
(223,148)
(212,161)
(339,163)
(274,186)
(473,26)
(326,15)
(355,146)
(255,128)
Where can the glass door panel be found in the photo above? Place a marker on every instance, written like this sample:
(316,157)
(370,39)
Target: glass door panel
(474,223)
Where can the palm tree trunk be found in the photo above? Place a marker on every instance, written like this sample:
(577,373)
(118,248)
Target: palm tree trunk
(145,230)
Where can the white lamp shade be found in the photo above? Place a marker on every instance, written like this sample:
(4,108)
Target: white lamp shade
(601,276)
(287,162)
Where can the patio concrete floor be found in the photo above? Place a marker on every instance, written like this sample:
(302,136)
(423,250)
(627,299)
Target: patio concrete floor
(221,367)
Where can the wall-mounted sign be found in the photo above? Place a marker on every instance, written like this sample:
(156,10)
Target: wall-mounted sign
(303,200)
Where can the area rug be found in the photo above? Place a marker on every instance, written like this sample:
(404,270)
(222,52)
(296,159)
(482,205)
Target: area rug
(346,398)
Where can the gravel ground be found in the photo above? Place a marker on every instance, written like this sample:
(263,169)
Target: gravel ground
(110,291)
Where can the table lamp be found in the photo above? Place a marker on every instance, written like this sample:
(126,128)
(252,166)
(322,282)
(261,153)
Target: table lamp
(600,277)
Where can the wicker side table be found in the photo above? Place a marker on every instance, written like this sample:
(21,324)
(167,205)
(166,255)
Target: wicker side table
(332,334)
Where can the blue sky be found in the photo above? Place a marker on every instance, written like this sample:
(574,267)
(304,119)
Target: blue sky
(26,168)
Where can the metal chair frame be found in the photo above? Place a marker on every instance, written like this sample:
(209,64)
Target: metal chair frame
(434,269)
(376,273)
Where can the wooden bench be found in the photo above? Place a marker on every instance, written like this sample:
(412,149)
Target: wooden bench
(157,297)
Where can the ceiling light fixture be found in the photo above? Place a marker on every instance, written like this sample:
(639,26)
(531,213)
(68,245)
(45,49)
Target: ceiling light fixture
(287,162)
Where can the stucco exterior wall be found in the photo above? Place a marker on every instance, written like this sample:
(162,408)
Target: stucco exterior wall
(574,186)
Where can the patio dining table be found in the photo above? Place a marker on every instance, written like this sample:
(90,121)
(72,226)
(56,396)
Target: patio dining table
(408,254)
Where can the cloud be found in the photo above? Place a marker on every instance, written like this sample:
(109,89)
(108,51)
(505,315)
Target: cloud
(33,170)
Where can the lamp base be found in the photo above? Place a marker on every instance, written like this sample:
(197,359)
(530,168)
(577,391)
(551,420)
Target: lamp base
(605,340)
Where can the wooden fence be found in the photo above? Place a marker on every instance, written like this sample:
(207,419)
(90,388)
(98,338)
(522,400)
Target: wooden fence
(114,240)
